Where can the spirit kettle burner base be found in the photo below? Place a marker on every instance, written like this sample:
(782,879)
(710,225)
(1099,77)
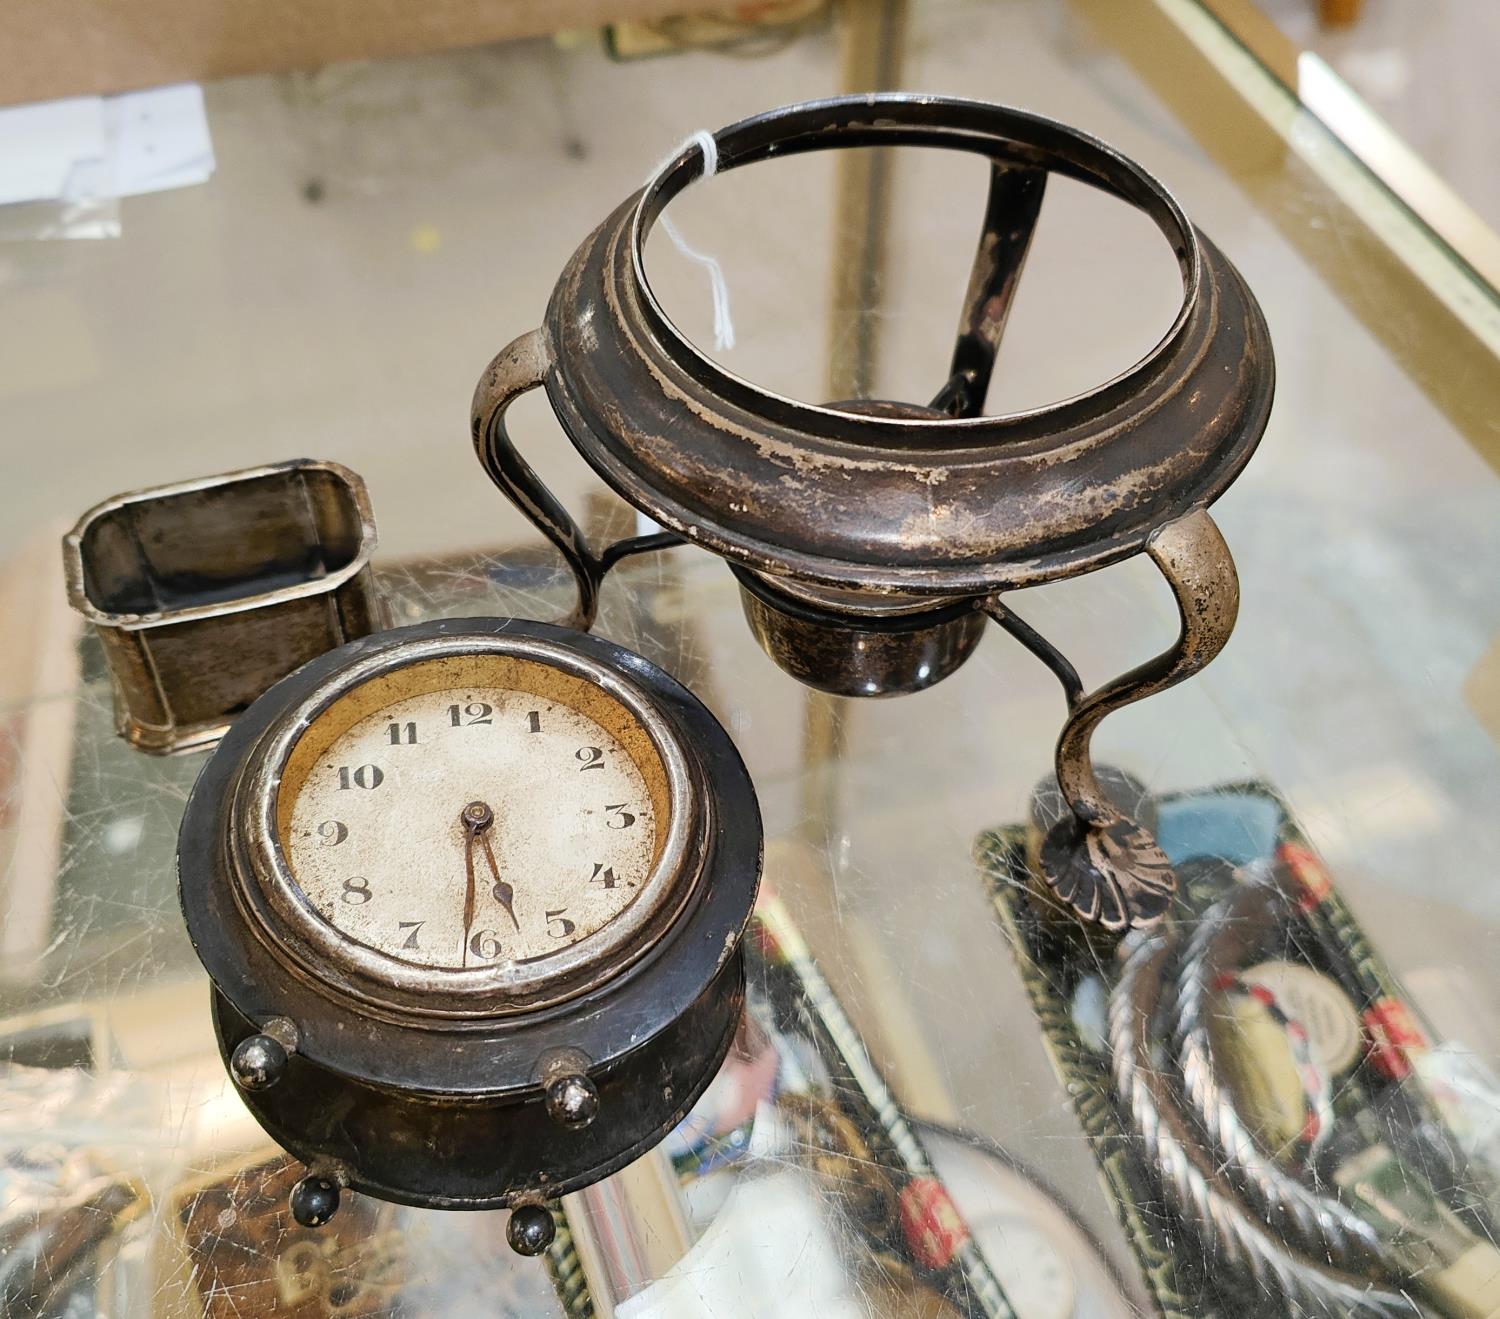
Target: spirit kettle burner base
(869,653)
(873,540)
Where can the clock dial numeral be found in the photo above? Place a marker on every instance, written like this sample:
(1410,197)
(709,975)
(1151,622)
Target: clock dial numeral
(485,944)
(379,830)
(619,817)
(475,712)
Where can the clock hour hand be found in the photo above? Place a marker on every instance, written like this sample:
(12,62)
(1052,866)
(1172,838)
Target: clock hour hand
(505,895)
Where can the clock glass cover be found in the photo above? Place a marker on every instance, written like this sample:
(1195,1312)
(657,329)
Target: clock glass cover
(465,824)
(476,821)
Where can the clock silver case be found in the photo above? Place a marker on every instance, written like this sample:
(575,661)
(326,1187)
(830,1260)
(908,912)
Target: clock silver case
(435,1096)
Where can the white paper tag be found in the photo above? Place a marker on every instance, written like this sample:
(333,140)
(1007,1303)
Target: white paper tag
(89,148)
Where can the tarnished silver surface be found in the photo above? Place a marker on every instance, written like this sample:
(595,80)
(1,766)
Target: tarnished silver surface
(205,592)
(1104,866)
(865,507)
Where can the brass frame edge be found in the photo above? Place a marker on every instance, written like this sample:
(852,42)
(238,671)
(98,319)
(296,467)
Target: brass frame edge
(1403,284)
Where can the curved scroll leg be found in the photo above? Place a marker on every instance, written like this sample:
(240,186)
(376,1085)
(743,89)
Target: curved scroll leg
(1098,862)
(520,366)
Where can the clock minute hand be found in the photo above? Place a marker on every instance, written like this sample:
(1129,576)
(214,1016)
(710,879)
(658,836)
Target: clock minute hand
(476,819)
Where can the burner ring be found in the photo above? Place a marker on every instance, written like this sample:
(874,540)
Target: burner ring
(910,504)
(1001,134)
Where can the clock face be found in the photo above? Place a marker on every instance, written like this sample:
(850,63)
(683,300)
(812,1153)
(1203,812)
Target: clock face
(1048,1264)
(469,812)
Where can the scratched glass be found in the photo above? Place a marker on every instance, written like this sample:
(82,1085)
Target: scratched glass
(1291,1095)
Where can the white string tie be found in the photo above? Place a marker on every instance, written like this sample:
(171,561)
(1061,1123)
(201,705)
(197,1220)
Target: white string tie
(723,324)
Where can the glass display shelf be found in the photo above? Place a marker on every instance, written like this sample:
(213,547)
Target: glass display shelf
(372,235)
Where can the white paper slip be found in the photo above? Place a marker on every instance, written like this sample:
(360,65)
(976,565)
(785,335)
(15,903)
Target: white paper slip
(88,147)
(43,147)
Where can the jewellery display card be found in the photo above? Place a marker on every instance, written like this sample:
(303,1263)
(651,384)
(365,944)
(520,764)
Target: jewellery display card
(1277,1127)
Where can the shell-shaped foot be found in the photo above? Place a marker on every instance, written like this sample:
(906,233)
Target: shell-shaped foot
(1111,875)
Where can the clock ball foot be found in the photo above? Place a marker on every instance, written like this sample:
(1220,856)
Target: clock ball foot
(314,1200)
(572,1100)
(258,1062)
(530,1230)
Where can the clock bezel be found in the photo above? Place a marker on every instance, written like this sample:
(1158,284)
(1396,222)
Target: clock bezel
(268,891)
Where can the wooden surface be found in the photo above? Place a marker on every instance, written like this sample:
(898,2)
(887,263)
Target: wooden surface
(57,48)
(1339,13)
